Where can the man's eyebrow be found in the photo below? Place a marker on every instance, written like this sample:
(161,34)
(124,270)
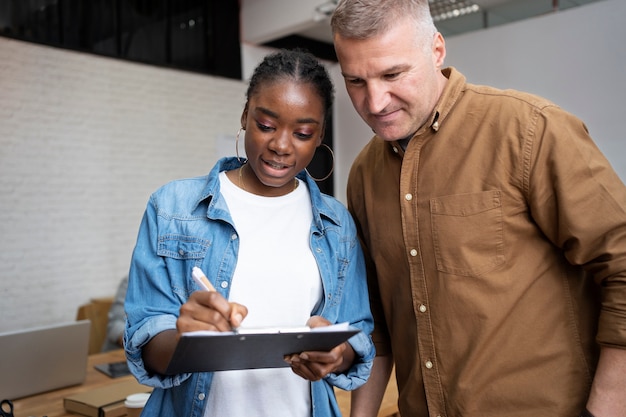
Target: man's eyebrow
(396,68)
(391,70)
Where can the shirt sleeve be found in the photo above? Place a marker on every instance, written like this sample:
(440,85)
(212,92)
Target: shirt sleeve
(151,305)
(579,202)
(356,207)
(355,309)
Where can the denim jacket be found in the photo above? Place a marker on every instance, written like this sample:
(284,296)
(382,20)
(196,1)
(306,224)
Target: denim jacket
(187,224)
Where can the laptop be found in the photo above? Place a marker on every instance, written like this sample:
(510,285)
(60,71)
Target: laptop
(43,358)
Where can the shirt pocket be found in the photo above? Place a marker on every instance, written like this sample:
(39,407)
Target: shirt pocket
(182,247)
(468,232)
(180,254)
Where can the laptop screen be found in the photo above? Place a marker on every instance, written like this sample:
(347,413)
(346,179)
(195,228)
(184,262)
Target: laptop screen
(43,358)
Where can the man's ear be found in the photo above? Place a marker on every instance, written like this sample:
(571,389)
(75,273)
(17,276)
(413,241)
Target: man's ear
(439,50)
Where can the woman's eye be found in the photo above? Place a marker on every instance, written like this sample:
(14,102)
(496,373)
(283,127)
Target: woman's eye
(263,127)
(302,135)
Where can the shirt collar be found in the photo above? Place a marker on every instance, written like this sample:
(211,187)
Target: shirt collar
(451,92)
(218,209)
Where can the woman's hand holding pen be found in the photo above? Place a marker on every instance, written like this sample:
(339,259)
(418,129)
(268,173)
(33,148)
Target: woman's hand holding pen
(209,310)
(204,310)
(313,366)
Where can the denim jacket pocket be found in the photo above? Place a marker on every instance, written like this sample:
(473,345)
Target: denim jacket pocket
(468,232)
(182,247)
(181,253)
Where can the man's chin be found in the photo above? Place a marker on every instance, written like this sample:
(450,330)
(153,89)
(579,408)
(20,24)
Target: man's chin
(391,137)
(389,134)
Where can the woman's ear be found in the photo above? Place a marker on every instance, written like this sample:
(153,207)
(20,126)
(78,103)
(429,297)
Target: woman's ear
(321,138)
(244,117)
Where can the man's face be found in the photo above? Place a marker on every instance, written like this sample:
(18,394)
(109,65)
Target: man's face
(393,81)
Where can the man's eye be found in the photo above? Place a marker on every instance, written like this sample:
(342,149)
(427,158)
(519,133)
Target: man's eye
(355,81)
(392,76)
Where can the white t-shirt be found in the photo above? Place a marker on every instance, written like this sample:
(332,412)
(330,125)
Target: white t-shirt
(278,280)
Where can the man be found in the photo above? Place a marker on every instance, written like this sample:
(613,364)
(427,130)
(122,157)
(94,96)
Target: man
(495,231)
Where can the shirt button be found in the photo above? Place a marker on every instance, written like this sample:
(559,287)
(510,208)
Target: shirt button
(201,396)
(395,149)
(224,284)
(408,197)
(233,236)
(429,364)
(422,308)
(413,252)
(181,252)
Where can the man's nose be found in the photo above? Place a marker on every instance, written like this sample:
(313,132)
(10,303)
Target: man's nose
(377,97)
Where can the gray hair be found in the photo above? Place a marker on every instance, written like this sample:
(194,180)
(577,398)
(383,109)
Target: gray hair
(363,19)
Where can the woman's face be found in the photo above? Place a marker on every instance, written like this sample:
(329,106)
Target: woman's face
(284,123)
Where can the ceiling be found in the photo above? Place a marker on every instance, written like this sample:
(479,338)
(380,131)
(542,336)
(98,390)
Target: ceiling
(489,13)
(205,35)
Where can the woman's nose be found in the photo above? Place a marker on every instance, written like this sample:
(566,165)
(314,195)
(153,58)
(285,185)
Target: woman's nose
(281,142)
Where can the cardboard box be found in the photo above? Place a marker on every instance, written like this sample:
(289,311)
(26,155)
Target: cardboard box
(106,401)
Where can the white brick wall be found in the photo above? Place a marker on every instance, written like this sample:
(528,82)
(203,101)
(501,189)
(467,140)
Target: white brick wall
(84,140)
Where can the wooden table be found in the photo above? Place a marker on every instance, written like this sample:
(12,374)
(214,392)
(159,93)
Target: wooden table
(50,403)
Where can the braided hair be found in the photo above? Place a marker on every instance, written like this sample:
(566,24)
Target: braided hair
(297,65)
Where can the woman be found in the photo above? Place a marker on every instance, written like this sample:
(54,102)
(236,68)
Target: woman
(283,254)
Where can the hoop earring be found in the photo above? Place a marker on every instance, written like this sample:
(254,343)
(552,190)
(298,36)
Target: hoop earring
(237,144)
(332,168)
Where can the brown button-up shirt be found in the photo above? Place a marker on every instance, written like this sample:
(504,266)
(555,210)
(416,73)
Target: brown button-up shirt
(497,253)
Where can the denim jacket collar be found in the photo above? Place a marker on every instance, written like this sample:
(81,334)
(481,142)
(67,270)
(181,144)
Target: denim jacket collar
(217,208)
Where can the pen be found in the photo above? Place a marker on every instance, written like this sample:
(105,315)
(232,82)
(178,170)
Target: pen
(203,281)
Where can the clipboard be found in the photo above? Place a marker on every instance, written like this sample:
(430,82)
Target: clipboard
(251,348)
